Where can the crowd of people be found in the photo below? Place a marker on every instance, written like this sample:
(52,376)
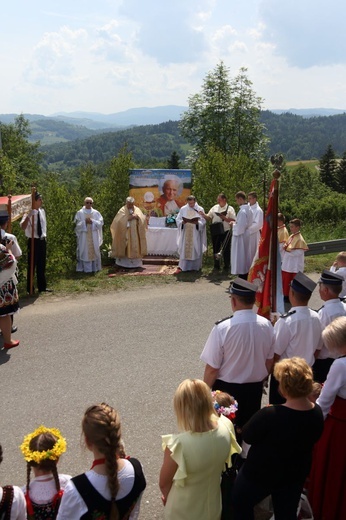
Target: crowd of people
(294,444)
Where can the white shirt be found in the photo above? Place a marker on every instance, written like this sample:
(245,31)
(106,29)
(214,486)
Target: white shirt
(18,510)
(220,209)
(73,506)
(331,309)
(15,248)
(43,221)
(239,347)
(334,385)
(42,489)
(342,272)
(298,334)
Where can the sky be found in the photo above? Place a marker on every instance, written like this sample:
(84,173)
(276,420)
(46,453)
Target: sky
(111,55)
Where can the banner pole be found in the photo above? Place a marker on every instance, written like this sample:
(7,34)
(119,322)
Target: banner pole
(32,242)
(277,161)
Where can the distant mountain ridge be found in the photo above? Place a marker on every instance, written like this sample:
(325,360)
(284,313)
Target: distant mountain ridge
(131,117)
(144,116)
(283,127)
(309,112)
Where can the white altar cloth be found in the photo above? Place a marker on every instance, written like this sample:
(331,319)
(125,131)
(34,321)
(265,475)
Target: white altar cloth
(162,241)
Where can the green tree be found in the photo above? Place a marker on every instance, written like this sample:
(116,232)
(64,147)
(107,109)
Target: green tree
(328,168)
(341,174)
(225,115)
(22,157)
(247,134)
(174,162)
(208,120)
(114,189)
(215,172)
(87,182)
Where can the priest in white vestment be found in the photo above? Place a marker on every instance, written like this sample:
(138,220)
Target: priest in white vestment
(256,225)
(240,257)
(89,223)
(129,243)
(192,236)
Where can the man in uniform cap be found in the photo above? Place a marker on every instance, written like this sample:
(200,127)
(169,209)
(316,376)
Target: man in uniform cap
(330,286)
(297,333)
(239,352)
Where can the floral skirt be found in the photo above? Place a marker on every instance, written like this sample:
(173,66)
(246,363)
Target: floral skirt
(8,298)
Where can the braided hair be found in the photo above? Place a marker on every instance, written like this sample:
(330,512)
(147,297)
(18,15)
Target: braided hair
(101,427)
(43,442)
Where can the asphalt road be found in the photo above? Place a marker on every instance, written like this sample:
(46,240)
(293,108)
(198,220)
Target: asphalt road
(128,348)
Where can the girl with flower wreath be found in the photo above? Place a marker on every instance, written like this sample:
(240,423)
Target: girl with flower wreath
(224,404)
(112,488)
(12,501)
(41,450)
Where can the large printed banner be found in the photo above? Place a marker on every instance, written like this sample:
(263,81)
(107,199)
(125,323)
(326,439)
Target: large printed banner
(159,193)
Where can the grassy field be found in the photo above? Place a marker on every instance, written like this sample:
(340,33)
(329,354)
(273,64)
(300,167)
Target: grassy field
(312,164)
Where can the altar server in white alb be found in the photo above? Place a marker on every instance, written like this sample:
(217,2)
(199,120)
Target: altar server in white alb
(192,236)
(240,256)
(89,223)
(256,225)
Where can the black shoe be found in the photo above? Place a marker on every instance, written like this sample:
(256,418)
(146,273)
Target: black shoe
(46,290)
(14,329)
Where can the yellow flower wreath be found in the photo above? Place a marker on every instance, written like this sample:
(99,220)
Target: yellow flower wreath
(38,456)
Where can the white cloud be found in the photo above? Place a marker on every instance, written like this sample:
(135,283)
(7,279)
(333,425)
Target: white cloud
(118,54)
(307,33)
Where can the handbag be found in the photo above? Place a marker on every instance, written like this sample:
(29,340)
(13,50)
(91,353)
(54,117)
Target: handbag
(216,229)
(228,477)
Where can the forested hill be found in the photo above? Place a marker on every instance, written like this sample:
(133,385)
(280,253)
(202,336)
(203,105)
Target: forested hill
(304,138)
(149,144)
(299,138)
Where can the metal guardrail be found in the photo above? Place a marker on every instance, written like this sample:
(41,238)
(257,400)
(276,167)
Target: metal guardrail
(329,246)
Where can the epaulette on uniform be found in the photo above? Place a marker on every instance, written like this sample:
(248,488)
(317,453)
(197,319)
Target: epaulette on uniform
(223,319)
(289,313)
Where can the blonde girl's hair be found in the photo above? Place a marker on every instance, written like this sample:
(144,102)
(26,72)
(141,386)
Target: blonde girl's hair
(294,376)
(193,406)
(101,427)
(334,335)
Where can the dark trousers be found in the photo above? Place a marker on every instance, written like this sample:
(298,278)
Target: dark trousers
(40,254)
(217,241)
(321,368)
(246,494)
(248,395)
